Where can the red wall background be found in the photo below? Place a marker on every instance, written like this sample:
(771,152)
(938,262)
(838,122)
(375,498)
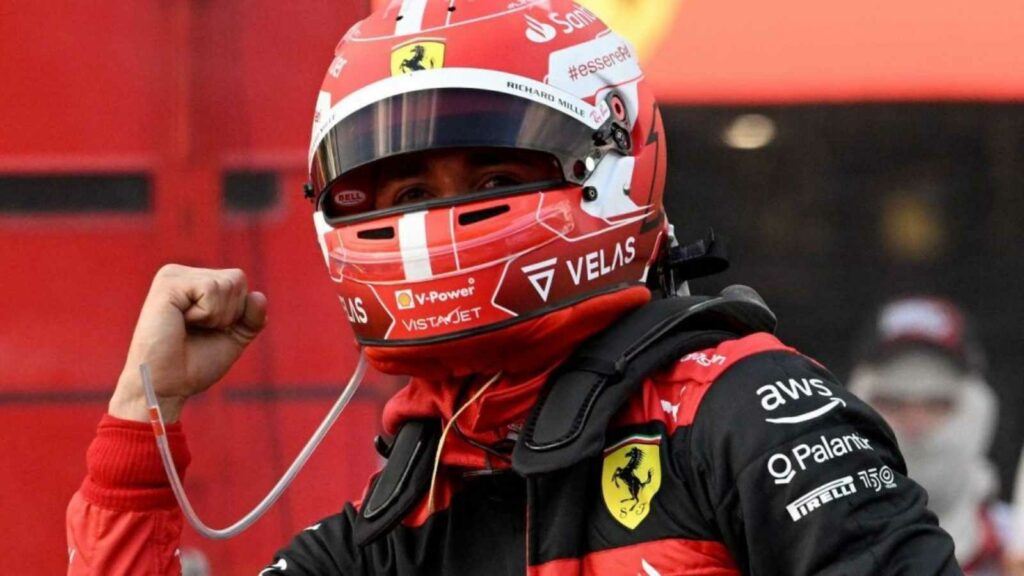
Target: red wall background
(183,92)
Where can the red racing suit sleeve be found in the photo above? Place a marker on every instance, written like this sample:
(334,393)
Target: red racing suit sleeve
(800,477)
(124,520)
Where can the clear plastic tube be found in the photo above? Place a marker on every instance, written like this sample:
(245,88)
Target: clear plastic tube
(157,420)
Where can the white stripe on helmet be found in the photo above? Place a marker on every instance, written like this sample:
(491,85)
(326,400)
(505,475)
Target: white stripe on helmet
(412,241)
(410,17)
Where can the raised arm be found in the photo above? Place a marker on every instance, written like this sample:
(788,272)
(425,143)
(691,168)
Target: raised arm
(194,324)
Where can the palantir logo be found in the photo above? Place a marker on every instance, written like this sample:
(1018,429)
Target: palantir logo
(540,276)
(784,466)
(539,32)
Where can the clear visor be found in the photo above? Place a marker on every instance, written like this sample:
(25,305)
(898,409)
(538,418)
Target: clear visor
(446,118)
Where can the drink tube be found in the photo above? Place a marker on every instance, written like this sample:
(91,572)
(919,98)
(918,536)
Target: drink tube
(157,420)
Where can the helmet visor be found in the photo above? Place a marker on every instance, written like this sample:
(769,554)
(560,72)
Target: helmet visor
(446,118)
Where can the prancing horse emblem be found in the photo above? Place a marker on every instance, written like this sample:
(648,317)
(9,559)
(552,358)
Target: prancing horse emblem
(628,476)
(415,62)
(631,476)
(416,56)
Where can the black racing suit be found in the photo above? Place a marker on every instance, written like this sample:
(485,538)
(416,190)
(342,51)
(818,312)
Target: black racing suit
(744,458)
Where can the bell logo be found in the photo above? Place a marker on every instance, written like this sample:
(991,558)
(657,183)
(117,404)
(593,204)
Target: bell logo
(350,197)
(540,276)
(539,32)
(405,300)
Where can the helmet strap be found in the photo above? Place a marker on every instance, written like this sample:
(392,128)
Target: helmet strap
(677,263)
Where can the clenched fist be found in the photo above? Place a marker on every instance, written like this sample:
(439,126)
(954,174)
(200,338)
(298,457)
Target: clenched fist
(194,325)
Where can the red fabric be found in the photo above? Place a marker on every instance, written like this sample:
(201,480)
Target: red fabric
(674,394)
(486,421)
(124,519)
(550,339)
(110,542)
(124,467)
(505,405)
(671,556)
(989,556)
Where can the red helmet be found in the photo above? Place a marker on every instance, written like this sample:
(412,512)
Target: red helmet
(544,76)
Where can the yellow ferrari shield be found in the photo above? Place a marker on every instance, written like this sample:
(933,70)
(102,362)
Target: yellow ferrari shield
(630,478)
(417,55)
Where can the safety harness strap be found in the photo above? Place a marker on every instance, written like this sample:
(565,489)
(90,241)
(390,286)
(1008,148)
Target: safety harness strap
(569,421)
(401,483)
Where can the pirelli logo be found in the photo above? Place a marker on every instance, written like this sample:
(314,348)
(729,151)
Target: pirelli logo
(821,496)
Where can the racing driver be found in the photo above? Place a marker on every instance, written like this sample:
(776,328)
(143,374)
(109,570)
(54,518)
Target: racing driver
(488,183)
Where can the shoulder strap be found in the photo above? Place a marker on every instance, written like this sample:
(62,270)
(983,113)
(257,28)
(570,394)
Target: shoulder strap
(402,482)
(568,423)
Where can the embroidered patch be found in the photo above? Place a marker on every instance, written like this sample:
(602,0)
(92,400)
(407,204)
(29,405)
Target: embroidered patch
(630,477)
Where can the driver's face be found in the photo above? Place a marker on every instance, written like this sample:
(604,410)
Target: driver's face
(446,173)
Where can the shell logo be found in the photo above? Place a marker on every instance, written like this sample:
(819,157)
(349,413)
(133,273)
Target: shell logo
(405,300)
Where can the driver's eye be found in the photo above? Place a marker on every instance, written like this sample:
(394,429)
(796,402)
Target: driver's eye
(498,181)
(411,195)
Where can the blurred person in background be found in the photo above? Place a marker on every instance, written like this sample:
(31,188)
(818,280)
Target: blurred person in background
(922,368)
(1015,547)
(488,188)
